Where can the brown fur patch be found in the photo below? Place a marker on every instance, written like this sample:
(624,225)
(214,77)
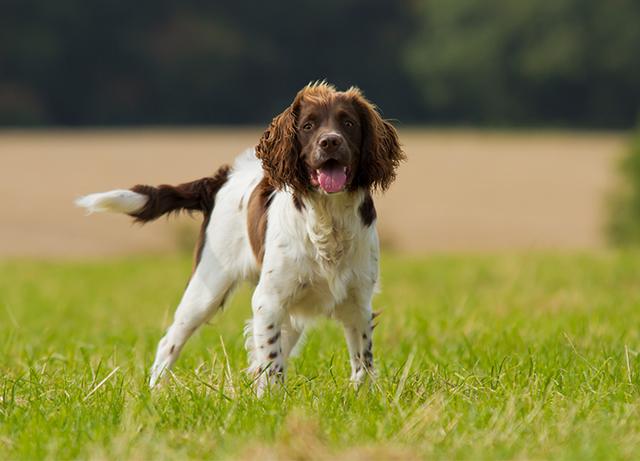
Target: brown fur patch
(298,203)
(381,151)
(274,338)
(196,195)
(202,237)
(257,217)
(199,195)
(367,211)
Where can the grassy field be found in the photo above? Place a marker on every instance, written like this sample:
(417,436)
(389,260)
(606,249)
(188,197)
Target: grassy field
(523,356)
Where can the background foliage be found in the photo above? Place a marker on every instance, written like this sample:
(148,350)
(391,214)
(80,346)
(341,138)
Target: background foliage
(497,62)
(623,226)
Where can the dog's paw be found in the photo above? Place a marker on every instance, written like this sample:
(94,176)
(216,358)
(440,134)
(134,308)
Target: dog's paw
(268,379)
(157,372)
(362,375)
(165,357)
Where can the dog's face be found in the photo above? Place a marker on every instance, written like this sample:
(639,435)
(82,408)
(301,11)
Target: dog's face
(329,141)
(330,136)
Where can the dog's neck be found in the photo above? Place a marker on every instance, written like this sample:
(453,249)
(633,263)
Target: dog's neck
(332,223)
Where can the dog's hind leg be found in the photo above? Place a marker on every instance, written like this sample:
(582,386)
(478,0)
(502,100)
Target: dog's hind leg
(207,291)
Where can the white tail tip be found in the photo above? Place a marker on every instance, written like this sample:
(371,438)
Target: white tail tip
(117,201)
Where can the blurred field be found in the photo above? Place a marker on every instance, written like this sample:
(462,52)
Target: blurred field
(460,190)
(519,357)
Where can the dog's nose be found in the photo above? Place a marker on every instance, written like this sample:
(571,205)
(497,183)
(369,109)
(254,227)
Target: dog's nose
(330,142)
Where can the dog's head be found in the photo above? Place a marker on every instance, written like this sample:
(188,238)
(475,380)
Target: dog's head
(330,141)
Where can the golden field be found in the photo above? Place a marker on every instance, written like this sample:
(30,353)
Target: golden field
(461,190)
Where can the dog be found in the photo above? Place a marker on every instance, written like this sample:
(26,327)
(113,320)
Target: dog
(296,217)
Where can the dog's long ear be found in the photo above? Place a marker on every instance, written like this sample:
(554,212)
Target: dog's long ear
(381,153)
(279,150)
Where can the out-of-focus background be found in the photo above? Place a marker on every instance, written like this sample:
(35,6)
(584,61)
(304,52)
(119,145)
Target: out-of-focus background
(519,120)
(516,116)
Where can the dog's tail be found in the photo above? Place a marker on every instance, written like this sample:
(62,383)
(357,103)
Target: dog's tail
(147,203)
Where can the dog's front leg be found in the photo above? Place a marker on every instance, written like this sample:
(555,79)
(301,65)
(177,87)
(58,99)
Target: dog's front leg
(268,361)
(357,321)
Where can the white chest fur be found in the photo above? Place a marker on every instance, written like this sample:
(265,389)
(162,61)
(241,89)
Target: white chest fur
(319,256)
(333,249)
(331,224)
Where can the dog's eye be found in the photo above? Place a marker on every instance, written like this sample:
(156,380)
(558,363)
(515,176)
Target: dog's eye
(348,123)
(307,126)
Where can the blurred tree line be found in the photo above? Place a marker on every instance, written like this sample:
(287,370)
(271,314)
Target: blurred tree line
(495,62)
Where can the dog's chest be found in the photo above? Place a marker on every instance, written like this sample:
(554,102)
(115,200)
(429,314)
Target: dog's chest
(331,260)
(331,229)
(320,292)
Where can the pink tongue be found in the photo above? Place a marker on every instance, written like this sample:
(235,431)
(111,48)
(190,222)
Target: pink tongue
(332,179)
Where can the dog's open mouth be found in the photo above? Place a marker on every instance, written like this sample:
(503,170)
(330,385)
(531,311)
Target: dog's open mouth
(331,177)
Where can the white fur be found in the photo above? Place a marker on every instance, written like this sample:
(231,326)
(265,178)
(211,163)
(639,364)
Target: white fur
(321,260)
(117,201)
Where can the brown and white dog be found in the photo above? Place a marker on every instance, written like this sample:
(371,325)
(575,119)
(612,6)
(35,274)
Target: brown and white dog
(296,216)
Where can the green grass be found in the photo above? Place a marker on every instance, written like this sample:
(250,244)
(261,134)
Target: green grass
(479,357)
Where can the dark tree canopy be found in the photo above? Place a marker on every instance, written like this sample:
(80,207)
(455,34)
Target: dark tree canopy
(115,62)
(529,62)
